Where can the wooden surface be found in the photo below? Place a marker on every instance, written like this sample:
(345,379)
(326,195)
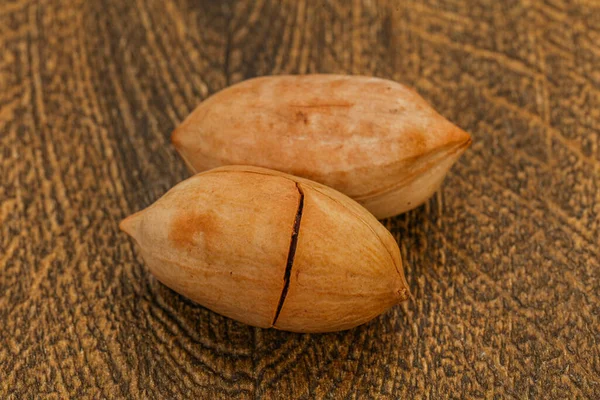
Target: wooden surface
(503,262)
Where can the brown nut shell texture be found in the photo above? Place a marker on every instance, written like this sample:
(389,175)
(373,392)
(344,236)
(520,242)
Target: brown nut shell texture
(372,139)
(271,250)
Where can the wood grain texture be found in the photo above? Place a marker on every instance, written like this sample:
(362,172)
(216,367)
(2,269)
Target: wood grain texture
(503,262)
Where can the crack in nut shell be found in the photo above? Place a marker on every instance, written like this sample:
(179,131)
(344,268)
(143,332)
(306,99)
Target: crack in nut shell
(222,238)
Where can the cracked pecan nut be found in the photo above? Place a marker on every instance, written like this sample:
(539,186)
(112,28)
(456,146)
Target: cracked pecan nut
(271,250)
(374,140)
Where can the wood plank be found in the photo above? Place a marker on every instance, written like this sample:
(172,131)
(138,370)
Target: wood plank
(504,262)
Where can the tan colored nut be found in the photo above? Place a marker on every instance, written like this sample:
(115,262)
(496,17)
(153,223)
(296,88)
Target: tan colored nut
(271,250)
(374,140)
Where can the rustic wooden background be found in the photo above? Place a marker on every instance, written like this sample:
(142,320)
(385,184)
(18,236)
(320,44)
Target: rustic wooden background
(503,262)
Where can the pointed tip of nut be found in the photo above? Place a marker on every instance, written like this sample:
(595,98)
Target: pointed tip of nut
(462,137)
(130,224)
(403,292)
(458,140)
(176,138)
